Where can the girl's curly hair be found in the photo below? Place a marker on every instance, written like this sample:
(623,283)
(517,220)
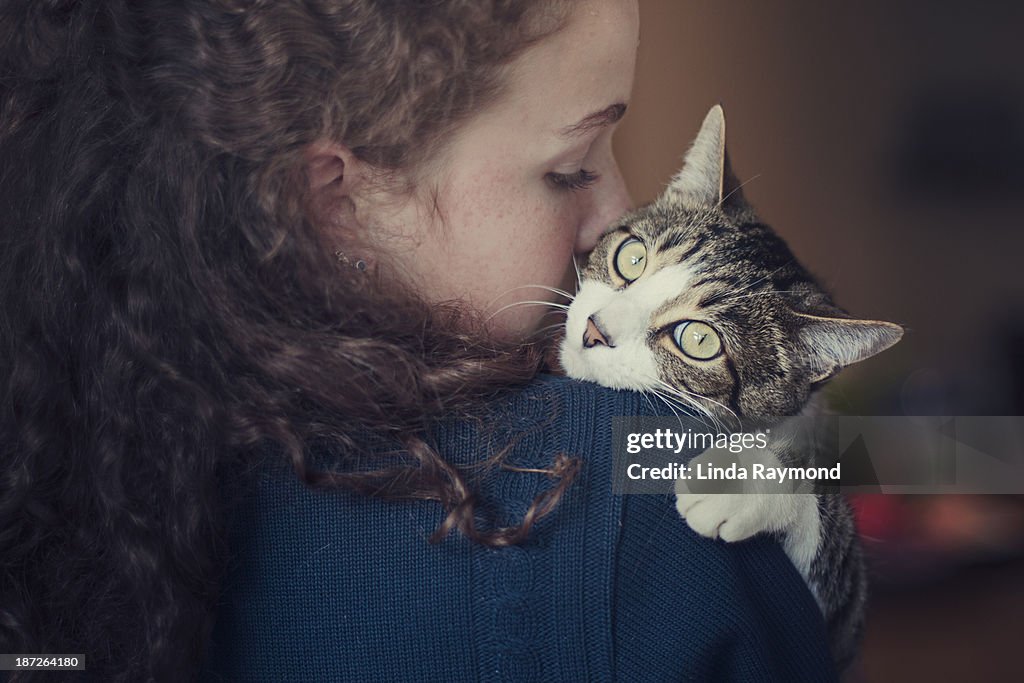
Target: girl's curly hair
(169,305)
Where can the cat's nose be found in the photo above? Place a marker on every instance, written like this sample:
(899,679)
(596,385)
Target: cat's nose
(592,336)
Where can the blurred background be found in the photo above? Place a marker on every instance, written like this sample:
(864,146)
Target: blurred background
(885,142)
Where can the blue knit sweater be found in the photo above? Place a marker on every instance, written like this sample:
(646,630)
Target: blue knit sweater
(329,586)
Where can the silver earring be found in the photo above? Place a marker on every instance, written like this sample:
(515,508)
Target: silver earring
(358,264)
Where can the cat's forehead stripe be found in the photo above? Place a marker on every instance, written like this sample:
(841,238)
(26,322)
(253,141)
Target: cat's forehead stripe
(689,303)
(694,248)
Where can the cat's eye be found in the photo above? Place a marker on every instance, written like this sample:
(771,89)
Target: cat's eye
(630,259)
(697,340)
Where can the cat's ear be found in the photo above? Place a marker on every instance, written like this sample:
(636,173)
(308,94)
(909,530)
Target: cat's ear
(830,344)
(706,177)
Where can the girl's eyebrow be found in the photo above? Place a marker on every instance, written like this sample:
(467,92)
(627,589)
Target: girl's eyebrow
(606,117)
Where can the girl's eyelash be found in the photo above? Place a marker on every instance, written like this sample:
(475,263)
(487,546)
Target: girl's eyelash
(580,180)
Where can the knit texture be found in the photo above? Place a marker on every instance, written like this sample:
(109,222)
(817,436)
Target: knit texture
(329,586)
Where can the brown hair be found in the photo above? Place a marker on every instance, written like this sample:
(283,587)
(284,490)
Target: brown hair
(169,306)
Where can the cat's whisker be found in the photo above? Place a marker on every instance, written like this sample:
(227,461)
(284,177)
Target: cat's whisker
(695,411)
(670,400)
(560,292)
(562,307)
(773,271)
(759,280)
(542,332)
(576,267)
(738,188)
(719,425)
(681,392)
(669,403)
(556,326)
(682,401)
(730,297)
(553,290)
(648,400)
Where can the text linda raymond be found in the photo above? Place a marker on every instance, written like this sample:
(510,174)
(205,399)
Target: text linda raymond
(705,471)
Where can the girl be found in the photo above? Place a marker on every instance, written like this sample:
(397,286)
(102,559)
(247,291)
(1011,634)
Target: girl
(244,234)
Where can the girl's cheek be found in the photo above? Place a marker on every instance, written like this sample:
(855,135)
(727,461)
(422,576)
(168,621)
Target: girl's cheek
(571,215)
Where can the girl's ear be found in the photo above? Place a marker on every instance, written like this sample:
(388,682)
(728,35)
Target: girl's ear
(330,167)
(333,180)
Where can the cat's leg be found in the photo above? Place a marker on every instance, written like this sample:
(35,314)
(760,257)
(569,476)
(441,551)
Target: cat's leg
(838,577)
(818,534)
(761,502)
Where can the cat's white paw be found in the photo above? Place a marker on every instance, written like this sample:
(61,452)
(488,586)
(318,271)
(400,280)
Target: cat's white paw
(751,506)
(738,509)
(729,516)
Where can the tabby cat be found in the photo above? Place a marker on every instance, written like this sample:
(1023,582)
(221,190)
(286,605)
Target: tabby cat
(693,296)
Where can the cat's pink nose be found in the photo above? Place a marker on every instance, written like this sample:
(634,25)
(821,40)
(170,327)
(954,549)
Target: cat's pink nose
(592,336)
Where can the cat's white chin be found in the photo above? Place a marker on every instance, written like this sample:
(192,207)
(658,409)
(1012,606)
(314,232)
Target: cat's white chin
(607,366)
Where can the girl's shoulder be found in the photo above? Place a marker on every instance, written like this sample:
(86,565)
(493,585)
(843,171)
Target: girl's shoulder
(327,585)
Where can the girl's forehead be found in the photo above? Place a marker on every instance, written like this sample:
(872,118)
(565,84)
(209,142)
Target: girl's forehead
(576,72)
